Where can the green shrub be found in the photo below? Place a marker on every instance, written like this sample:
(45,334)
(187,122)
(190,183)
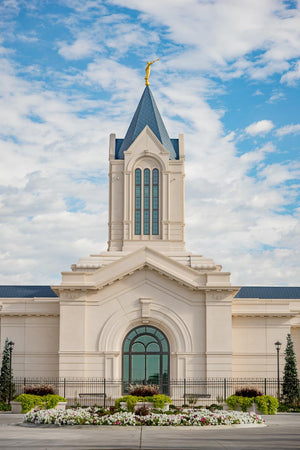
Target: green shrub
(158,401)
(52,400)
(29,401)
(243,402)
(4,406)
(232,401)
(288,407)
(214,406)
(130,400)
(265,403)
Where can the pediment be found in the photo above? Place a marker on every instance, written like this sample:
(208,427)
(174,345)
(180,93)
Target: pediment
(145,258)
(146,143)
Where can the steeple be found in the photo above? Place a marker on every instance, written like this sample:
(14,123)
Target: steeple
(146,113)
(146,203)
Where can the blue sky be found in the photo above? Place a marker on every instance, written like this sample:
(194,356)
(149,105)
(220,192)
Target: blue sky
(72,72)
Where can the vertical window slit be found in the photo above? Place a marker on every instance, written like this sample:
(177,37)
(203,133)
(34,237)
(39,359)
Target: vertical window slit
(146,201)
(155,201)
(138,201)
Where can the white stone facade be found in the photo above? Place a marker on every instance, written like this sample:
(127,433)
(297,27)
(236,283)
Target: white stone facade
(147,280)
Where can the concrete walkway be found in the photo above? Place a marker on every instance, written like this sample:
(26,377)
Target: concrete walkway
(282,432)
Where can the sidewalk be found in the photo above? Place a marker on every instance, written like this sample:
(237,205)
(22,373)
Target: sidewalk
(282,432)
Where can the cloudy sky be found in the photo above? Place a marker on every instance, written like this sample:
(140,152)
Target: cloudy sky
(72,72)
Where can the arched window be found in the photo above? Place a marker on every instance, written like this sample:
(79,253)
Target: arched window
(146,357)
(146,202)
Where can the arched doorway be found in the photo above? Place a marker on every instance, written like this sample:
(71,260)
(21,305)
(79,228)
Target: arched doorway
(146,358)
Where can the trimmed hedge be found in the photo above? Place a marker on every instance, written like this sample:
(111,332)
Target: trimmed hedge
(265,403)
(29,401)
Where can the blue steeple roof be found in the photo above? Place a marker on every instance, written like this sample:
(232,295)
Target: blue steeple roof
(146,114)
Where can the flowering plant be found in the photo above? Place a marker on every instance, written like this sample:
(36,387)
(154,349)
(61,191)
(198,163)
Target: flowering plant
(187,417)
(144,390)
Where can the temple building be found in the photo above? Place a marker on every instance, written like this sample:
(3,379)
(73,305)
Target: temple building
(147,309)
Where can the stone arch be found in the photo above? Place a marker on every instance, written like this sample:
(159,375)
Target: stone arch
(121,322)
(148,158)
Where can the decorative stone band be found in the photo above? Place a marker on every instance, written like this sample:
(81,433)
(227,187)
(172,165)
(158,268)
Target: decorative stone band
(26,314)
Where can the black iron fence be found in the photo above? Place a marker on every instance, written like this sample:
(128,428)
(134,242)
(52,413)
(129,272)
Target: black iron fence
(104,392)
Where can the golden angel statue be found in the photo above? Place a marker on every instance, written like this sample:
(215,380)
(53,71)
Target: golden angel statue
(147,70)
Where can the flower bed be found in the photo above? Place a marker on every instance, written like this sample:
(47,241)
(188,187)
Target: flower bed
(95,416)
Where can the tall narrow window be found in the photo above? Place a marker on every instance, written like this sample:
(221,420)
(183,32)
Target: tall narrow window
(138,201)
(146,201)
(155,201)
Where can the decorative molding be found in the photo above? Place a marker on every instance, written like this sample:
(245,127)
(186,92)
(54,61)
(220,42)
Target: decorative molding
(26,314)
(145,309)
(216,295)
(218,353)
(263,314)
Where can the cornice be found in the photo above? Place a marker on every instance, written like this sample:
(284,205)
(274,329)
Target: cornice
(26,314)
(263,314)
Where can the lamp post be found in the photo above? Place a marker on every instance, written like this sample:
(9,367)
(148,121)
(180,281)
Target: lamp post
(11,345)
(277,346)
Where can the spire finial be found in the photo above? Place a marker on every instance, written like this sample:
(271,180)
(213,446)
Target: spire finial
(147,70)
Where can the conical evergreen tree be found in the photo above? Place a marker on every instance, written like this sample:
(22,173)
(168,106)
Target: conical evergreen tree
(290,388)
(5,373)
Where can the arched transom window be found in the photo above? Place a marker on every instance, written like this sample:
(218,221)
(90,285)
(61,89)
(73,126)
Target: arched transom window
(146,357)
(146,202)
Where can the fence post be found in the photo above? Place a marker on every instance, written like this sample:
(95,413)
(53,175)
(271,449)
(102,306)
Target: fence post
(265,386)
(64,388)
(24,384)
(184,391)
(225,389)
(104,389)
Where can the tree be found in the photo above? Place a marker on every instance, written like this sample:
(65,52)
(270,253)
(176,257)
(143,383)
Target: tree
(290,388)
(5,375)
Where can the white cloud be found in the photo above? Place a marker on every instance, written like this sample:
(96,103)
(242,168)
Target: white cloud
(106,32)
(288,129)
(260,127)
(291,77)
(56,160)
(54,185)
(221,37)
(276,96)
(258,154)
(81,48)
(276,174)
